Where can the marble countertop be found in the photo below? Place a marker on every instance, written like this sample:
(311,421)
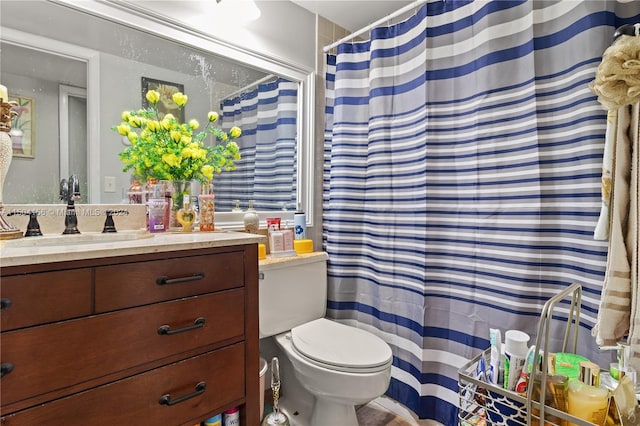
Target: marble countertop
(38,250)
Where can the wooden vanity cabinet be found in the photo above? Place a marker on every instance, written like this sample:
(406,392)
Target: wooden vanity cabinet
(165,338)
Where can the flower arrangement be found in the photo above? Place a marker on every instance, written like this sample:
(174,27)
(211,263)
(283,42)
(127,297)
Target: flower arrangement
(165,149)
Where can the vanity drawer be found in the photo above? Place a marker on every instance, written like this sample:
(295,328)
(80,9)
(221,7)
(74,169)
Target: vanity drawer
(45,297)
(135,400)
(55,356)
(134,284)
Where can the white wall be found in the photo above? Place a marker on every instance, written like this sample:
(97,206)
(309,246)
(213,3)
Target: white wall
(284,30)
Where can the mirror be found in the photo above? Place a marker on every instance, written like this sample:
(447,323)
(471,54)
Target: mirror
(66,61)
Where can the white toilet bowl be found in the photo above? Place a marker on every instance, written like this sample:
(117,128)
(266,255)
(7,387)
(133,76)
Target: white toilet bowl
(327,368)
(341,366)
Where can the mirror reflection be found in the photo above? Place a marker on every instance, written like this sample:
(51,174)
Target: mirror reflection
(60,59)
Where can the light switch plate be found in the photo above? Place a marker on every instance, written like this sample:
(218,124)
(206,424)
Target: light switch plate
(109,184)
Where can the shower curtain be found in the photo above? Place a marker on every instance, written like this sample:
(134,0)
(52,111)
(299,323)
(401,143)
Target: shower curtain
(267,170)
(463,154)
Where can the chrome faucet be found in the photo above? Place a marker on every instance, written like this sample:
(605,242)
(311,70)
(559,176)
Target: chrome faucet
(70,192)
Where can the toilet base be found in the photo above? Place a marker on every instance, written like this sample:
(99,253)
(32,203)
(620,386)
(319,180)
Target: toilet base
(330,413)
(323,413)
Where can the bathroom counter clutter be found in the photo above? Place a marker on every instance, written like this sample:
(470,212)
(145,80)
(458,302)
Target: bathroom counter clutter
(160,330)
(59,248)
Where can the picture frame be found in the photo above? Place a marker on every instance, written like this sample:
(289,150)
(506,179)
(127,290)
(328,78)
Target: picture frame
(22,127)
(166,90)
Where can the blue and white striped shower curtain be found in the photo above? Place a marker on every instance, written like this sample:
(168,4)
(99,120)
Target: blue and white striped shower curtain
(463,155)
(267,170)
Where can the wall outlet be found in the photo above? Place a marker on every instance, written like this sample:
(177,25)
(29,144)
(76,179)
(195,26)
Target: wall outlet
(109,184)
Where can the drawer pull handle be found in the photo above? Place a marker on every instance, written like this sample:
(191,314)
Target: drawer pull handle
(5,303)
(166,399)
(166,280)
(166,329)
(5,369)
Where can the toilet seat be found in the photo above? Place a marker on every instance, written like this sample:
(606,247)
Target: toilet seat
(336,346)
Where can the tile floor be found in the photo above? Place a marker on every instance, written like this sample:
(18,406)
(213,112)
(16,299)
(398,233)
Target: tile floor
(387,412)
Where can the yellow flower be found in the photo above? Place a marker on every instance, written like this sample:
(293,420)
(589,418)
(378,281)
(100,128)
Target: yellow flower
(165,148)
(153,125)
(133,137)
(171,159)
(153,97)
(201,153)
(124,129)
(180,99)
(207,171)
(135,121)
(175,136)
(235,132)
(188,153)
(166,124)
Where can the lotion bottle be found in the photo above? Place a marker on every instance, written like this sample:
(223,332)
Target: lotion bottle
(588,400)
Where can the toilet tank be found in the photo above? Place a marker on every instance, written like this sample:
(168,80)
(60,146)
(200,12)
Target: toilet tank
(292,291)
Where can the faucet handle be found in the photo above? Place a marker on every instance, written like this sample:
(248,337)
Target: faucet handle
(109,225)
(33,227)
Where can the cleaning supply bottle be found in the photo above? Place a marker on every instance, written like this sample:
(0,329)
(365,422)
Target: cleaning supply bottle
(588,400)
(515,354)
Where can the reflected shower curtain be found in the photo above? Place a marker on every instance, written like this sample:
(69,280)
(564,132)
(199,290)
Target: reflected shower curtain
(267,170)
(463,154)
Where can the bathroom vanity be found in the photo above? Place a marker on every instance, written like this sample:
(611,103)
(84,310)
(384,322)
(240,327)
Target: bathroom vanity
(156,330)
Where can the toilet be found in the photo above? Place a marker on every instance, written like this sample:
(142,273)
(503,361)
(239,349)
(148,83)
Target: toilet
(327,368)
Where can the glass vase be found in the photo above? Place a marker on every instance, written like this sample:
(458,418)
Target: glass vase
(180,189)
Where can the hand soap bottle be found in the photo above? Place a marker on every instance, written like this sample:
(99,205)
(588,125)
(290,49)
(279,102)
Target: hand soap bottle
(588,400)
(251,219)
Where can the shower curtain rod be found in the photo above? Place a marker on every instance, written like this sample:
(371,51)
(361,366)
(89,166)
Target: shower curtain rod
(255,83)
(375,24)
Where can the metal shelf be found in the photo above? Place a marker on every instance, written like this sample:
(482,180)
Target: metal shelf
(503,407)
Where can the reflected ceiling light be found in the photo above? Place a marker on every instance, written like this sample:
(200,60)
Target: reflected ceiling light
(241,10)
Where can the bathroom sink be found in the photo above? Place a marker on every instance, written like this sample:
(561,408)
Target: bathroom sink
(83,238)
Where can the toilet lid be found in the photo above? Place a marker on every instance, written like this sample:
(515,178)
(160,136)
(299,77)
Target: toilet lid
(339,345)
